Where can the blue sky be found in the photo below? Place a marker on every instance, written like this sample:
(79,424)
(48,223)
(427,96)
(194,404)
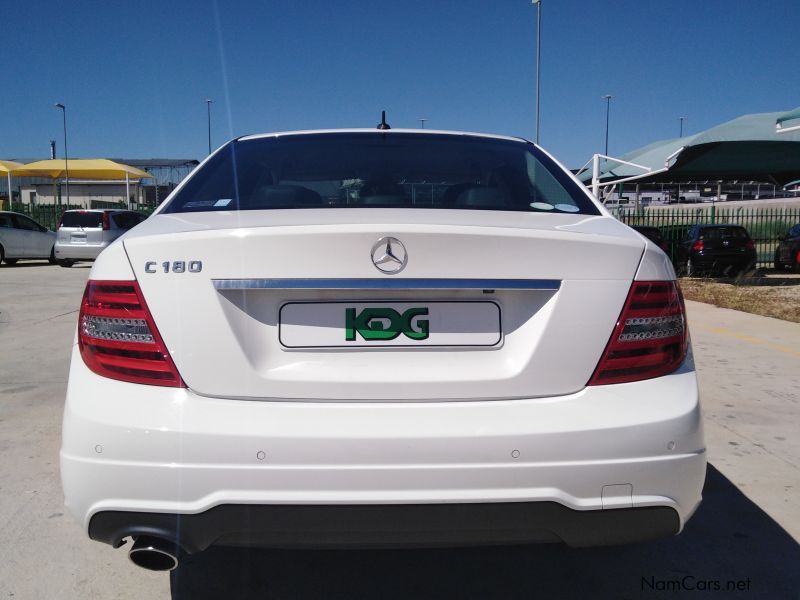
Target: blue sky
(134,76)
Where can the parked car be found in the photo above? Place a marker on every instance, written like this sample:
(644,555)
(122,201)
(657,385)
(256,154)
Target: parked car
(787,254)
(653,234)
(309,344)
(716,249)
(84,234)
(22,237)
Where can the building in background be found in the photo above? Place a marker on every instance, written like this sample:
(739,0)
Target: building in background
(167,173)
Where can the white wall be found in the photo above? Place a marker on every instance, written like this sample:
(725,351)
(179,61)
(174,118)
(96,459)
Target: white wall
(82,193)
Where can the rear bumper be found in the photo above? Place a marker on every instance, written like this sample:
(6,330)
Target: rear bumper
(400,525)
(723,261)
(79,251)
(163,457)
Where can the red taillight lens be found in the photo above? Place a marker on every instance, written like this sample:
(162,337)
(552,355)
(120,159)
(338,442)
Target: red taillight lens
(118,338)
(650,338)
(750,245)
(106,225)
(698,246)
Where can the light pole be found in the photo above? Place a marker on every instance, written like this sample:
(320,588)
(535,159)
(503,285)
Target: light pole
(682,119)
(208,106)
(607,98)
(422,123)
(66,153)
(538,4)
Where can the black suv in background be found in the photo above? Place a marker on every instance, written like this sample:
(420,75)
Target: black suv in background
(787,254)
(715,249)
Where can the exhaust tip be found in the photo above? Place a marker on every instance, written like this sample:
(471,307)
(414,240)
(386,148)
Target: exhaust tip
(154,554)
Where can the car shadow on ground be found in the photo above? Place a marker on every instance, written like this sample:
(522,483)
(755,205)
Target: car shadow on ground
(730,539)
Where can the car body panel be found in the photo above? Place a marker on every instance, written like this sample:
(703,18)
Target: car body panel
(87,241)
(787,253)
(195,453)
(22,237)
(263,424)
(725,248)
(244,325)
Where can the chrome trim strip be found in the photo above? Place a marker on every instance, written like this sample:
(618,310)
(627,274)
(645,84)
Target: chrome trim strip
(386,284)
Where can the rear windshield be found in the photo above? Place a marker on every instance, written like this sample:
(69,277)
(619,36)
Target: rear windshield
(82,219)
(381,170)
(719,233)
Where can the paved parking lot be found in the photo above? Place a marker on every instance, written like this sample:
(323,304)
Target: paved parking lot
(746,531)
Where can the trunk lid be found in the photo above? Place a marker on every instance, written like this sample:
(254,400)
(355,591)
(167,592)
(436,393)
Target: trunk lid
(287,304)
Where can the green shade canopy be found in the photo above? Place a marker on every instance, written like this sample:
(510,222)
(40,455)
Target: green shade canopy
(782,124)
(745,148)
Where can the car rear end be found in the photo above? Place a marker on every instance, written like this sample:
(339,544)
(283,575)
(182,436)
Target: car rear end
(453,344)
(84,234)
(723,249)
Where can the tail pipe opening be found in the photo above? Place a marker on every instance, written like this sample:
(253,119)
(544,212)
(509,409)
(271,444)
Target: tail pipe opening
(155,554)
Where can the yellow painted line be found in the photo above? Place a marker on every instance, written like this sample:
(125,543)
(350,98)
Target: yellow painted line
(747,338)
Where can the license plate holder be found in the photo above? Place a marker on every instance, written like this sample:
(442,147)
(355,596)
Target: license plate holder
(403,324)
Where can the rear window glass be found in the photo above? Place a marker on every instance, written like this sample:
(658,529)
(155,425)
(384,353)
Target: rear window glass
(381,170)
(127,220)
(82,219)
(719,233)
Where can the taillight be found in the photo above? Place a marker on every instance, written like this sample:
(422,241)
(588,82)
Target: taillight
(650,338)
(750,245)
(106,225)
(698,246)
(118,338)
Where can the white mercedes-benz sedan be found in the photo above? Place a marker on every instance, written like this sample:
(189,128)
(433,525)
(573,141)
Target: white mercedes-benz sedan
(380,338)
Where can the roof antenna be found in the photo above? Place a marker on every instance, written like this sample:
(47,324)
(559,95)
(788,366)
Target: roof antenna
(383,124)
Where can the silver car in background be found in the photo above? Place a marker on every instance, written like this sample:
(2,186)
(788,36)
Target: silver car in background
(84,234)
(22,237)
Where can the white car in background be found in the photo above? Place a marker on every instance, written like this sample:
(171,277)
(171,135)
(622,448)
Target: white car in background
(84,234)
(23,238)
(380,338)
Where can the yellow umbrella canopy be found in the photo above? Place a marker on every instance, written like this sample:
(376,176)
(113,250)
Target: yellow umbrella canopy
(95,168)
(8,167)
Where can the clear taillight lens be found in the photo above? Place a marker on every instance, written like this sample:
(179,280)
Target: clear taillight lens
(650,338)
(117,336)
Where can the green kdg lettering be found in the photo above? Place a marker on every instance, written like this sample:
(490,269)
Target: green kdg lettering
(385,324)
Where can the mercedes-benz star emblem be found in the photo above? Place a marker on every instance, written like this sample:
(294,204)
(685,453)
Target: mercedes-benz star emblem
(389,255)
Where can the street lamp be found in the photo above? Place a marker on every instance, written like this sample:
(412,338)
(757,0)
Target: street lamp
(66,153)
(208,106)
(607,98)
(682,119)
(422,123)
(538,4)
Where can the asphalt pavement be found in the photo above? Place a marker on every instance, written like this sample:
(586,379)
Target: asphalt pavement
(743,541)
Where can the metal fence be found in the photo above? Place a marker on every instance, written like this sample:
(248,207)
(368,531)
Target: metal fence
(49,215)
(765,225)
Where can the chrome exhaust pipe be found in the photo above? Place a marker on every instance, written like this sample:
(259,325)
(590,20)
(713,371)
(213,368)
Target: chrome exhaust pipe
(155,554)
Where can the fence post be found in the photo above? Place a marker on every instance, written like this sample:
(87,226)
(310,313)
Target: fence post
(713,213)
